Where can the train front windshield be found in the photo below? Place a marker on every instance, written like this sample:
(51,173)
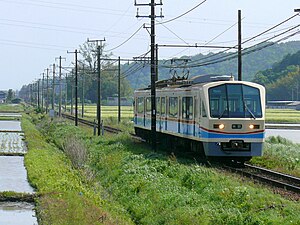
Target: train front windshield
(235,101)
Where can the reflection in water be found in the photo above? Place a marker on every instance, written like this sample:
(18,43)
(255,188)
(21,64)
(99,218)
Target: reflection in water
(292,135)
(13,175)
(16,213)
(10,126)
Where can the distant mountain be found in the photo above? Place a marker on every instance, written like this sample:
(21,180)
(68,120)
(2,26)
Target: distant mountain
(282,81)
(252,63)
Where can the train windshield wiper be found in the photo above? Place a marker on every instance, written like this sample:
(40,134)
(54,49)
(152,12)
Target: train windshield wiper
(222,114)
(251,113)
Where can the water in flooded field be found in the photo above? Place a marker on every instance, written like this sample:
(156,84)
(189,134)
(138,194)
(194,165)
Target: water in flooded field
(16,213)
(10,126)
(12,143)
(13,175)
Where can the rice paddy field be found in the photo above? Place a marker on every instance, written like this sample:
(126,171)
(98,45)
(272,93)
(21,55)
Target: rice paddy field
(282,116)
(108,111)
(272,115)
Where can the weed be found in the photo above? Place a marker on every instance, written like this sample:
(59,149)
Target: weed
(75,150)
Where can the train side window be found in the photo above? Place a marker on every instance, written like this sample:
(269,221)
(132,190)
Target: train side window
(148,106)
(163,106)
(173,107)
(203,112)
(140,105)
(187,108)
(158,106)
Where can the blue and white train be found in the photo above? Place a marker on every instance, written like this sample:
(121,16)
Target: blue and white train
(213,115)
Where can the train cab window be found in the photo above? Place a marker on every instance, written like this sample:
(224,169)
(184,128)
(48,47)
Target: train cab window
(163,106)
(234,101)
(148,106)
(173,107)
(158,106)
(187,108)
(252,101)
(140,105)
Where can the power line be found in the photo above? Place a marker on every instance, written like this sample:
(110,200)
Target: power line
(247,51)
(64,6)
(271,28)
(177,17)
(262,33)
(124,42)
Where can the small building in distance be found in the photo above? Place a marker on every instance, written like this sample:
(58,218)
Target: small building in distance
(113,101)
(283,105)
(2,96)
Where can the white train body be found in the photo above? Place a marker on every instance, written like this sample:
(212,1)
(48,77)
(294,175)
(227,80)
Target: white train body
(219,118)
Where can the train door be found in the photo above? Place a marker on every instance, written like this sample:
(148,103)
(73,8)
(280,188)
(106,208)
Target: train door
(173,115)
(179,115)
(158,114)
(187,116)
(163,114)
(196,115)
(140,119)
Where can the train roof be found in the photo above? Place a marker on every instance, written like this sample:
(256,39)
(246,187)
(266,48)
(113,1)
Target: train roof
(200,79)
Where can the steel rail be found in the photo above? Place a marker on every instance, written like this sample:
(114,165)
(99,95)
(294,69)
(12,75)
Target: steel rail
(270,177)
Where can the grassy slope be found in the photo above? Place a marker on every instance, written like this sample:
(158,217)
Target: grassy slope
(67,197)
(280,155)
(157,189)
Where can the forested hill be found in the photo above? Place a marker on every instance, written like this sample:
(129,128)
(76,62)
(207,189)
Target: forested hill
(282,81)
(252,64)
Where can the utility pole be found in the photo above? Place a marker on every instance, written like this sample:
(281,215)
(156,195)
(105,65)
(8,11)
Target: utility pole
(47,94)
(99,53)
(156,56)
(76,86)
(72,92)
(66,93)
(119,90)
(38,93)
(239,45)
(60,88)
(43,92)
(53,86)
(152,5)
(82,92)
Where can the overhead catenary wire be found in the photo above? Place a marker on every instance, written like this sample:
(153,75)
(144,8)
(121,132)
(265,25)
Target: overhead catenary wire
(252,38)
(183,14)
(246,51)
(124,42)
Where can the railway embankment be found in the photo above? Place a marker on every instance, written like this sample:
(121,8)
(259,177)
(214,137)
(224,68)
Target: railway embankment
(68,193)
(147,187)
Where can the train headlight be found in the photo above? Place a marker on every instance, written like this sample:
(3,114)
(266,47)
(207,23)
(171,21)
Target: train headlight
(219,126)
(252,126)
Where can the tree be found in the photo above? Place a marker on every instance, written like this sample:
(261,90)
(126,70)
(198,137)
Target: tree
(10,95)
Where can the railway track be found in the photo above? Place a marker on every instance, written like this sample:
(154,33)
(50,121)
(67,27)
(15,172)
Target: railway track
(92,124)
(275,179)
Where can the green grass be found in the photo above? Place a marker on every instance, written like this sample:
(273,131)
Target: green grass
(281,155)
(11,108)
(282,116)
(157,189)
(67,196)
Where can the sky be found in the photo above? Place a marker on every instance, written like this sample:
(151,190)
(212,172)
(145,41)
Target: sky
(35,32)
